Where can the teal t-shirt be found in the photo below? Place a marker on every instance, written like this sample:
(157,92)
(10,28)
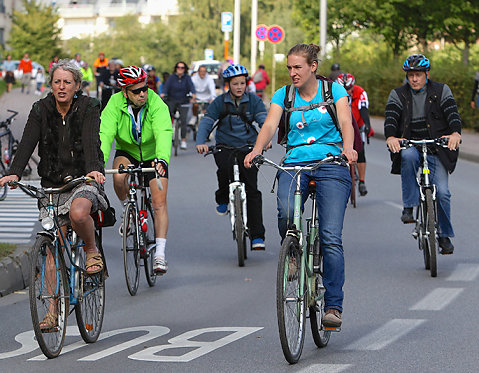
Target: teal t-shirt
(319,132)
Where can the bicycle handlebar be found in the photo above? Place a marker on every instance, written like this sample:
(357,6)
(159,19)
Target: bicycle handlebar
(131,169)
(36,192)
(440,141)
(213,149)
(338,159)
(6,122)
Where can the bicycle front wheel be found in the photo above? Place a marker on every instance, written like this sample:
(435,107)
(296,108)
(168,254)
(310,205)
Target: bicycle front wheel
(4,189)
(150,243)
(131,250)
(290,303)
(90,308)
(49,295)
(316,309)
(431,232)
(240,231)
(421,234)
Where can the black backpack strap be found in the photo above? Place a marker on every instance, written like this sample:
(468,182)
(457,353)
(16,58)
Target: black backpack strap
(327,87)
(288,104)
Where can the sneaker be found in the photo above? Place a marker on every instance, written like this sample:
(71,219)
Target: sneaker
(332,318)
(222,209)
(160,266)
(183,145)
(257,244)
(362,188)
(407,216)
(446,245)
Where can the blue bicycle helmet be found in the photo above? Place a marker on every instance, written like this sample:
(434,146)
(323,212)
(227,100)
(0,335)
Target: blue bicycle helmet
(235,70)
(416,62)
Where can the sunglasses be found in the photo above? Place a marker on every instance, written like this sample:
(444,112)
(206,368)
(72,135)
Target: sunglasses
(138,90)
(181,67)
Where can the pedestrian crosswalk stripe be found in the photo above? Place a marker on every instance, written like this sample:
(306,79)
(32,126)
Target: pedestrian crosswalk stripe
(385,335)
(325,368)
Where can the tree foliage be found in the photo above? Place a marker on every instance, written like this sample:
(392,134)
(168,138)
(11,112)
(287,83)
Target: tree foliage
(35,31)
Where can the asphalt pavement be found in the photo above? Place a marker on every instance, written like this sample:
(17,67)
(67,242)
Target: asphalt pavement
(14,269)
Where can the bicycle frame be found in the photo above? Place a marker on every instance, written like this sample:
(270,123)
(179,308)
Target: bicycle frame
(237,184)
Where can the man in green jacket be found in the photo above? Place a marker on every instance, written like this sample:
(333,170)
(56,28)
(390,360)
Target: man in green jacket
(140,123)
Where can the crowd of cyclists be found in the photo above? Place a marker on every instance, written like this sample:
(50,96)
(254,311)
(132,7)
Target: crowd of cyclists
(319,116)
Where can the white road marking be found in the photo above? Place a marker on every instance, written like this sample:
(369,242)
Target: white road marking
(464,272)
(385,335)
(437,299)
(394,204)
(325,368)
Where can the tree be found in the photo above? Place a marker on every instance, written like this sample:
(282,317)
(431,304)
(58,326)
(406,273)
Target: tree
(35,31)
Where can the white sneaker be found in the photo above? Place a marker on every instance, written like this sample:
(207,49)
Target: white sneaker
(183,145)
(160,266)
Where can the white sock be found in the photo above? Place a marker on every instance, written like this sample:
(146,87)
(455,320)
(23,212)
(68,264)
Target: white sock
(160,247)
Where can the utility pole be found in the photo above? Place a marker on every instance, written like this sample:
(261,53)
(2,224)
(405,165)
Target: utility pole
(254,21)
(236,37)
(323,22)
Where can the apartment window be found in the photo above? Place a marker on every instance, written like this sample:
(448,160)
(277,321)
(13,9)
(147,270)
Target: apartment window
(2,10)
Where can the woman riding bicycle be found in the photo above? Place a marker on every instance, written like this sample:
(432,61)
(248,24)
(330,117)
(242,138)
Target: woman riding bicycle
(235,112)
(312,136)
(177,91)
(65,125)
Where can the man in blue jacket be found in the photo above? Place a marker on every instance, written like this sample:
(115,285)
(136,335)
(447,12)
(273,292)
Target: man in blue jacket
(233,114)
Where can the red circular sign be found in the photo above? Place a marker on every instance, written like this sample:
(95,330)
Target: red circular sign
(261,32)
(275,34)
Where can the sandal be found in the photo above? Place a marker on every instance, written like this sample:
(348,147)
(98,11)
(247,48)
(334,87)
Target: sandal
(93,260)
(49,322)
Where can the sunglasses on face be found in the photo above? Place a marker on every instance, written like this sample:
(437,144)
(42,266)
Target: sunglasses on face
(181,67)
(138,90)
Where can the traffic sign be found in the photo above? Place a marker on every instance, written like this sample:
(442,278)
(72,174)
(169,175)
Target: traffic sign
(261,32)
(209,54)
(275,34)
(226,21)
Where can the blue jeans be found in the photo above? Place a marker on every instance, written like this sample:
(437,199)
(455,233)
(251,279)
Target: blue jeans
(410,162)
(333,187)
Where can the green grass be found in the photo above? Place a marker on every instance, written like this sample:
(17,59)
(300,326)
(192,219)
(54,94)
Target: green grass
(6,249)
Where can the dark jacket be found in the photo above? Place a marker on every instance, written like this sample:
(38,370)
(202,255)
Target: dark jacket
(70,148)
(441,119)
(176,89)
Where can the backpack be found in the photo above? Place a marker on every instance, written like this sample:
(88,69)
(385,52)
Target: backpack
(328,102)
(229,109)
(258,76)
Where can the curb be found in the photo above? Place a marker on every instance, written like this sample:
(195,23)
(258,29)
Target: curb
(15,270)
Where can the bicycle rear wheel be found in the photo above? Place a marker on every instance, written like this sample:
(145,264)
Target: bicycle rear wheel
(48,290)
(240,231)
(176,136)
(290,303)
(131,251)
(4,189)
(431,232)
(150,243)
(352,171)
(316,310)
(90,308)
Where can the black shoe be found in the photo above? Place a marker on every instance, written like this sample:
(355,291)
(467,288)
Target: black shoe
(362,188)
(407,217)
(446,245)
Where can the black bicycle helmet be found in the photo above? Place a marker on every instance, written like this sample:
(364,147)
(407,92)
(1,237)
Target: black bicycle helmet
(416,62)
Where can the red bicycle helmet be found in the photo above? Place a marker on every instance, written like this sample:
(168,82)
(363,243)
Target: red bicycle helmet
(346,80)
(131,75)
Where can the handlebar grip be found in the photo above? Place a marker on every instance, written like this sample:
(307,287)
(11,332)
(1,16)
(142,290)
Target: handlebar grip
(258,160)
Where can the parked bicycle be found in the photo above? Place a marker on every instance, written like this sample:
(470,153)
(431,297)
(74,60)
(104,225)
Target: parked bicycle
(299,285)
(9,145)
(137,227)
(52,281)
(425,230)
(237,202)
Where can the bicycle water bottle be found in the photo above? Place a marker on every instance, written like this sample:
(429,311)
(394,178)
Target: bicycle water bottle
(6,156)
(144,220)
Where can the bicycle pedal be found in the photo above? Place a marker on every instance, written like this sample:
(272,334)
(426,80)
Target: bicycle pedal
(331,329)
